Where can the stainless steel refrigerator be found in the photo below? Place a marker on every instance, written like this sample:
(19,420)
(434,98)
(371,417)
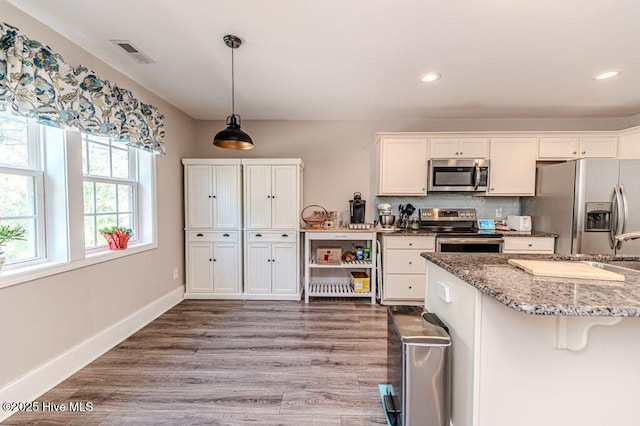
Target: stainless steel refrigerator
(587,203)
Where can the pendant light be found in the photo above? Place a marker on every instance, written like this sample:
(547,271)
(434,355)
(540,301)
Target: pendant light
(232,137)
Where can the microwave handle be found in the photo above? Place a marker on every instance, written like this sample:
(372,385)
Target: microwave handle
(476,173)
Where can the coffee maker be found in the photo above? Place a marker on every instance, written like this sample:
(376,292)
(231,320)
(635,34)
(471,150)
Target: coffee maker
(357,206)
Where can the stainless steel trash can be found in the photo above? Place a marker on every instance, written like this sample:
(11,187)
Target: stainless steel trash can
(418,368)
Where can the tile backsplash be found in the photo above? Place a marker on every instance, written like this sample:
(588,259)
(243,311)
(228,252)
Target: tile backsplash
(486,207)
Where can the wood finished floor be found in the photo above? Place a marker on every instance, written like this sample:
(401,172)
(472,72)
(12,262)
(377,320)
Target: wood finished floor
(235,363)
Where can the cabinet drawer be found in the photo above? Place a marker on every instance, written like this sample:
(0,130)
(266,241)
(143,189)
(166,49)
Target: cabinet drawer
(528,245)
(426,243)
(402,287)
(404,262)
(283,236)
(230,236)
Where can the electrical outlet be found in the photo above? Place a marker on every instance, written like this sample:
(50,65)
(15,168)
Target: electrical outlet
(175,273)
(499,212)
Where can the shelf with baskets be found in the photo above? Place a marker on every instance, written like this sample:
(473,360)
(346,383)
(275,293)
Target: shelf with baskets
(350,278)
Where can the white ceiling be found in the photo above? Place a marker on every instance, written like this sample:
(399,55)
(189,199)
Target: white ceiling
(362,59)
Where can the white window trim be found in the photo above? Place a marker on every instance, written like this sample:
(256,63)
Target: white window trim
(73,254)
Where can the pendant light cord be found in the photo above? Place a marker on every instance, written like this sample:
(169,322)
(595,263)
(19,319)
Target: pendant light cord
(233,88)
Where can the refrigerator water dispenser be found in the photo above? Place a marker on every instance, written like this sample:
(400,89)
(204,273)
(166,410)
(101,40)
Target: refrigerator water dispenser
(598,217)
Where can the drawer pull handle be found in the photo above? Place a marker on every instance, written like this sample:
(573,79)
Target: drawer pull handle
(199,235)
(285,235)
(226,235)
(258,235)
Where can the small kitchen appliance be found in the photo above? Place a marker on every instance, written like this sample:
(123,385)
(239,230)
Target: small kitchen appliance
(384,215)
(357,207)
(519,223)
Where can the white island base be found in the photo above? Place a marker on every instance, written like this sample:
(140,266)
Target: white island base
(508,371)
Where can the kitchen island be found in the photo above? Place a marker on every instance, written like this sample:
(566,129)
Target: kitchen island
(532,350)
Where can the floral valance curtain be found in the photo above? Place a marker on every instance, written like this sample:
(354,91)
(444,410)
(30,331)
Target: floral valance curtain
(36,82)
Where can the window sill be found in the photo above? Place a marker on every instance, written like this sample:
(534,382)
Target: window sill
(43,270)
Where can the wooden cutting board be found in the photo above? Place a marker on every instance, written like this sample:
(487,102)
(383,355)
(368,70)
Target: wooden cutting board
(565,270)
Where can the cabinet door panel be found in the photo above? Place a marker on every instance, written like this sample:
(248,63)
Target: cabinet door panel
(284,199)
(226,275)
(513,166)
(284,269)
(559,148)
(403,167)
(258,268)
(200,269)
(598,147)
(473,148)
(257,196)
(404,262)
(199,192)
(444,148)
(227,197)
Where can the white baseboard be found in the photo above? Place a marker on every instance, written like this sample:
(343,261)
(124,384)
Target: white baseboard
(48,375)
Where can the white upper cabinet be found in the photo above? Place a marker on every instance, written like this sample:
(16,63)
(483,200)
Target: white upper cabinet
(598,147)
(402,166)
(212,192)
(569,148)
(459,148)
(513,166)
(272,193)
(629,144)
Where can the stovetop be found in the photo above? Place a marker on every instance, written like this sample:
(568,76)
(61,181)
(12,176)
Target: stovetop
(453,222)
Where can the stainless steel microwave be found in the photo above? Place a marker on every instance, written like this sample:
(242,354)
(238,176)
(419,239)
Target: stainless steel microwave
(459,175)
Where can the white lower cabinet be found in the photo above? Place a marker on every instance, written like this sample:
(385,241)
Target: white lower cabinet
(213,265)
(404,268)
(272,265)
(531,245)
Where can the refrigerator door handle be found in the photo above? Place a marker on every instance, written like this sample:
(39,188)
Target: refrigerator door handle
(624,213)
(615,218)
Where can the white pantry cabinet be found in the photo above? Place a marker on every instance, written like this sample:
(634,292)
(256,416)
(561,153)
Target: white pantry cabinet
(212,193)
(513,166)
(213,265)
(272,266)
(459,147)
(402,166)
(272,193)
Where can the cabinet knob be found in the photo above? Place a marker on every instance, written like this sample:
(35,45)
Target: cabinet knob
(273,260)
(530,245)
(268,260)
(410,244)
(210,260)
(461,153)
(199,235)
(214,260)
(584,152)
(410,263)
(575,152)
(410,287)
(268,196)
(273,196)
(457,153)
(226,235)
(492,189)
(210,196)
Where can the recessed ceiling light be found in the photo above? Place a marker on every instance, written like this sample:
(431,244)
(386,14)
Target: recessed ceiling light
(607,74)
(430,76)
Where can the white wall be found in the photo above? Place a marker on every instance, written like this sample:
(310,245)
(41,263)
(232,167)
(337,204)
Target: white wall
(41,319)
(339,155)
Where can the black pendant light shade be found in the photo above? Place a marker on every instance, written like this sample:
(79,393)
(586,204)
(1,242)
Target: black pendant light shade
(233,137)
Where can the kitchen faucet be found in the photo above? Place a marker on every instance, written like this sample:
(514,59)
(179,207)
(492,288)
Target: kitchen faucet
(628,236)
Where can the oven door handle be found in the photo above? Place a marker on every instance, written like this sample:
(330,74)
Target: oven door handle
(458,240)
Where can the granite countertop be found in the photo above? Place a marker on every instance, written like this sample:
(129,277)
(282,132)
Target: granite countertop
(519,290)
(423,232)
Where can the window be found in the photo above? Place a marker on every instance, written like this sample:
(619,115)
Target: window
(21,189)
(73,178)
(110,182)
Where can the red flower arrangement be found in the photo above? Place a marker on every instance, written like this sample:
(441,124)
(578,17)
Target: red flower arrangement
(117,236)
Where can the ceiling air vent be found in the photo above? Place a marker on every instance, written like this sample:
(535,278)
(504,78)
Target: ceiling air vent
(133,51)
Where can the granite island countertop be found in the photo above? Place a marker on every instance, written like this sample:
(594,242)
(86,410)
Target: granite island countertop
(492,275)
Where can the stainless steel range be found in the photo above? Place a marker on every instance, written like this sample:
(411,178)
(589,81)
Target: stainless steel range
(456,231)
